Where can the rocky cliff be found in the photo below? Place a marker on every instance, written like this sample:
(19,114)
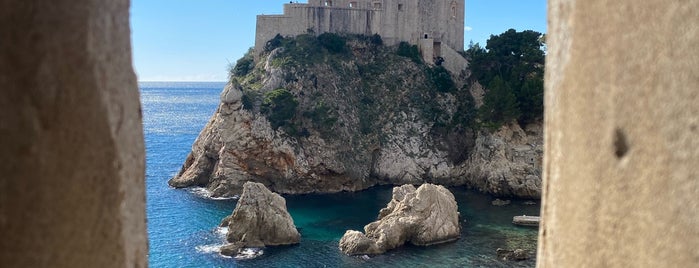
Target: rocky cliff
(315,116)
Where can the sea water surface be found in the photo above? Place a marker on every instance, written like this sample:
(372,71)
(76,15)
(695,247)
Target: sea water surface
(182,224)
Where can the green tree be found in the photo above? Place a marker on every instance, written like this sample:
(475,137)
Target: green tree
(516,58)
(499,104)
(531,100)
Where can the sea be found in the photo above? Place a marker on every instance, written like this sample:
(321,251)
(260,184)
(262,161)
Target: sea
(183,223)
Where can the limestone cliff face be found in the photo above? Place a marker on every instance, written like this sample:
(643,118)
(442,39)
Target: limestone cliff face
(345,122)
(507,162)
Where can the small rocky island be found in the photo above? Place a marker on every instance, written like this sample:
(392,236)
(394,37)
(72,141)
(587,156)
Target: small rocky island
(355,114)
(422,217)
(260,219)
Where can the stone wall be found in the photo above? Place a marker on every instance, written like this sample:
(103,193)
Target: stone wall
(72,159)
(453,61)
(395,21)
(299,18)
(621,161)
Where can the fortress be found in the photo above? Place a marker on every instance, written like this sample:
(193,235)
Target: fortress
(435,26)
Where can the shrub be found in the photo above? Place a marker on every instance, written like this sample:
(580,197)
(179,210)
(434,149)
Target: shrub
(376,40)
(279,106)
(441,79)
(273,43)
(245,64)
(321,115)
(409,51)
(247,101)
(332,42)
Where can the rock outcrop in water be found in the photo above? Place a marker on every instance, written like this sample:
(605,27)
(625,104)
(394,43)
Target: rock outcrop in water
(422,217)
(301,122)
(260,219)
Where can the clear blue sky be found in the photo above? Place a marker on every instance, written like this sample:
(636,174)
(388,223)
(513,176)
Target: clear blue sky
(195,40)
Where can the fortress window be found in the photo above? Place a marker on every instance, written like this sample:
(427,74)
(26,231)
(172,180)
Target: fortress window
(400,7)
(353,4)
(426,36)
(328,3)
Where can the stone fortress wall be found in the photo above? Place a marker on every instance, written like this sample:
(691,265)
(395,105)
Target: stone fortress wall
(436,26)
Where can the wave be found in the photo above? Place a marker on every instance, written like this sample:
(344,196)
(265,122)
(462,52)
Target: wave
(221,232)
(207,249)
(249,253)
(243,254)
(205,193)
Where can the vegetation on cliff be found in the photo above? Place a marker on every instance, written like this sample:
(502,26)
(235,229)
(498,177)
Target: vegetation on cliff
(334,113)
(369,75)
(511,67)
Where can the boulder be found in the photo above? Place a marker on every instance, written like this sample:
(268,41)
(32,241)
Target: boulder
(260,219)
(422,217)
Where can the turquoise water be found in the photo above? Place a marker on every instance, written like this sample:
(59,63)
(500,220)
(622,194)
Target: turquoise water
(182,224)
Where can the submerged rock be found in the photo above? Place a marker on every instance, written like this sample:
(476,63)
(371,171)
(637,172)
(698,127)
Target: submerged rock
(422,217)
(500,202)
(260,219)
(512,255)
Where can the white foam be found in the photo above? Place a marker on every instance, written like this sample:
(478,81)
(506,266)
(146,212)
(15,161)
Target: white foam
(213,248)
(205,193)
(221,232)
(235,197)
(249,253)
(200,191)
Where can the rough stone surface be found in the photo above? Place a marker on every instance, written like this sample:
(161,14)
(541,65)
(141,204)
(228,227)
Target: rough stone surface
(422,217)
(72,158)
(507,162)
(391,140)
(260,219)
(622,135)
(232,249)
